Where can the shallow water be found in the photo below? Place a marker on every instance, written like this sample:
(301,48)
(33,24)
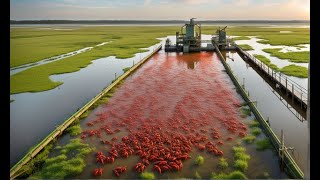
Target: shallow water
(184,95)
(29,124)
(279,62)
(271,107)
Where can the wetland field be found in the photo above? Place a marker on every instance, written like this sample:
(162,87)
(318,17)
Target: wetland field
(177,116)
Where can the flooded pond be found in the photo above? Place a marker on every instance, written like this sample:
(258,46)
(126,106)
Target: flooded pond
(173,109)
(29,124)
(271,107)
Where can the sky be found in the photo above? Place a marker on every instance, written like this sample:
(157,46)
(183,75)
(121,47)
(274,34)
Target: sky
(160,9)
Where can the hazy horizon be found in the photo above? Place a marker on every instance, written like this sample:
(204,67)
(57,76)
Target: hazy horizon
(160,10)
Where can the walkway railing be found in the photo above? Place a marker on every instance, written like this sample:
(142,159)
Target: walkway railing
(290,165)
(291,87)
(58,131)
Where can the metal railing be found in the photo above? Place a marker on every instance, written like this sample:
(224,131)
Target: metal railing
(291,87)
(290,165)
(34,151)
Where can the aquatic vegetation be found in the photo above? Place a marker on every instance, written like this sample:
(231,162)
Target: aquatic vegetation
(197,175)
(294,70)
(74,130)
(249,139)
(263,144)
(241,165)
(245,47)
(256,131)
(126,69)
(245,111)
(241,158)
(266,61)
(240,38)
(69,163)
(199,160)
(147,175)
(232,175)
(298,57)
(223,164)
(254,123)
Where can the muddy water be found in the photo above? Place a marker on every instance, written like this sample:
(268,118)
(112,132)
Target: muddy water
(184,96)
(270,106)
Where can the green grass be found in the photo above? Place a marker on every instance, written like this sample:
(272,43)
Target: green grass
(245,47)
(126,41)
(245,111)
(241,38)
(298,57)
(249,139)
(263,144)
(74,130)
(85,114)
(240,158)
(69,163)
(293,70)
(256,131)
(199,160)
(126,69)
(197,175)
(266,61)
(232,175)
(147,175)
(223,164)
(254,123)
(241,165)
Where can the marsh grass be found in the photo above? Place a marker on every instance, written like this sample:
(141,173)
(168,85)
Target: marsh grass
(240,38)
(263,144)
(126,69)
(245,47)
(298,57)
(249,139)
(197,175)
(266,61)
(232,175)
(241,158)
(245,111)
(256,131)
(293,70)
(223,164)
(241,165)
(69,163)
(199,160)
(147,175)
(74,130)
(85,114)
(254,123)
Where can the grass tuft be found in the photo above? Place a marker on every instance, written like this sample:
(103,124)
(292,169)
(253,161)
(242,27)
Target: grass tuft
(232,175)
(296,71)
(263,144)
(199,160)
(241,165)
(197,175)
(256,131)
(74,130)
(223,164)
(254,123)
(249,139)
(147,175)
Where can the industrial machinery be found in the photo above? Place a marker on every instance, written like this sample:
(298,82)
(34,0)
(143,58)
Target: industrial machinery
(189,39)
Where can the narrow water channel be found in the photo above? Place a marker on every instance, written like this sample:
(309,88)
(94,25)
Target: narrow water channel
(271,107)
